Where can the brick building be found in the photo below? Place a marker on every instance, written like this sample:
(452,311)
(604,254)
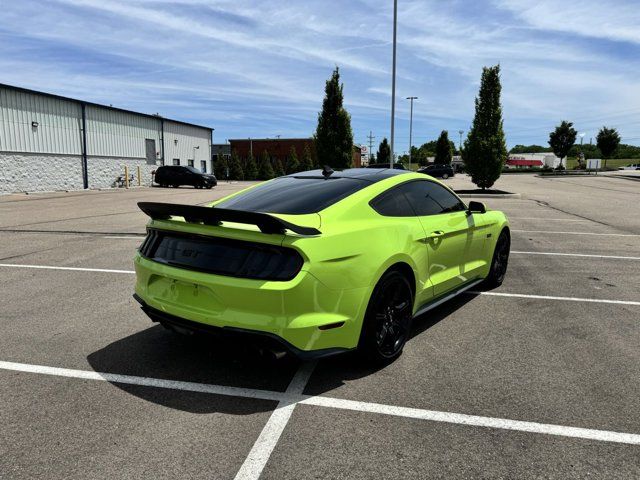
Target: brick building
(280,147)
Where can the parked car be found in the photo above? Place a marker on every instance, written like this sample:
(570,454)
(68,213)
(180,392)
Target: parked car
(318,262)
(631,166)
(437,170)
(175,176)
(398,166)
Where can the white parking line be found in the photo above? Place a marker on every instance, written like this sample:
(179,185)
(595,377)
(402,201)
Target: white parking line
(546,297)
(292,396)
(258,457)
(575,255)
(581,233)
(548,219)
(475,420)
(74,269)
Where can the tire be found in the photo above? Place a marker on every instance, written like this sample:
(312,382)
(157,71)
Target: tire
(445,176)
(175,186)
(209,187)
(387,321)
(499,262)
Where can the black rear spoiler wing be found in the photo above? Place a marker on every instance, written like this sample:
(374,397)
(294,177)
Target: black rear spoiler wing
(215,216)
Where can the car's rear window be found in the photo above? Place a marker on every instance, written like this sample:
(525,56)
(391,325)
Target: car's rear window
(295,196)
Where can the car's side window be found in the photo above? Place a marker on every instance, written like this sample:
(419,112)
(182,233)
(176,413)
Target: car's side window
(429,198)
(393,203)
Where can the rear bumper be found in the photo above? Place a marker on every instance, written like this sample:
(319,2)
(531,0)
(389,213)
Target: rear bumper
(259,339)
(302,315)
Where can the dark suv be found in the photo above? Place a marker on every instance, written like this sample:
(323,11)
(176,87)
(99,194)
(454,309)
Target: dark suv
(437,170)
(175,176)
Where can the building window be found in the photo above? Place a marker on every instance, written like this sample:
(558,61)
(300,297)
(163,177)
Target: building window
(190,163)
(214,157)
(203,166)
(176,161)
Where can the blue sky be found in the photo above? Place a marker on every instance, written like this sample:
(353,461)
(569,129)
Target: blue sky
(257,68)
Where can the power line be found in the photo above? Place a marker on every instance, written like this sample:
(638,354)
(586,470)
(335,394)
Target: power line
(371,139)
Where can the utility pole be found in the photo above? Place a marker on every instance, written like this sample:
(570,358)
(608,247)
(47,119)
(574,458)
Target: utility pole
(393,78)
(371,139)
(460,144)
(411,99)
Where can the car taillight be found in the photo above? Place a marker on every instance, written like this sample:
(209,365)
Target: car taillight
(222,256)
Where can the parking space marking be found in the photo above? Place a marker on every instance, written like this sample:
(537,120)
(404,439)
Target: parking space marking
(143,381)
(294,395)
(581,233)
(548,219)
(547,297)
(475,420)
(74,269)
(263,448)
(619,257)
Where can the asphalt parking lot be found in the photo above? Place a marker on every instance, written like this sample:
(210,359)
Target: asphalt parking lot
(537,379)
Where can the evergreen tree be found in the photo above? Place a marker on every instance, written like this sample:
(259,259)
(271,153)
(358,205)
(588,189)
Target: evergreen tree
(443,149)
(562,139)
(485,149)
(372,158)
(251,169)
(307,160)
(334,138)
(265,170)
(293,165)
(278,169)
(221,167)
(235,167)
(384,152)
(608,140)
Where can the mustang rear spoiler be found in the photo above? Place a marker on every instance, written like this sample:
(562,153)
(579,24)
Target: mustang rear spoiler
(215,216)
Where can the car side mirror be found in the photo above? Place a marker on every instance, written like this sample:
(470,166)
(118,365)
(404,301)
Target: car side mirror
(476,207)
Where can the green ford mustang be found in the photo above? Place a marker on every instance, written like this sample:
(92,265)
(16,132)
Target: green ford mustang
(319,262)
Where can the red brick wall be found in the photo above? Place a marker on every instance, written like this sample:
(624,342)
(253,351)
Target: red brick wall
(279,148)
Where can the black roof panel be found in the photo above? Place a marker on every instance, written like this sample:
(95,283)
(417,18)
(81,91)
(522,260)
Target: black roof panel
(368,174)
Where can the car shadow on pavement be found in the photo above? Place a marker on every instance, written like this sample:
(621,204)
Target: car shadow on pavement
(335,372)
(161,354)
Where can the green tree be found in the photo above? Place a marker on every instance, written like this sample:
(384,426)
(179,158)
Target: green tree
(278,169)
(485,149)
(530,149)
(334,138)
(265,170)
(562,139)
(250,169)
(372,158)
(384,152)
(608,140)
(443,149)
(293,165)
(220,167)
(235,167)
(307,159)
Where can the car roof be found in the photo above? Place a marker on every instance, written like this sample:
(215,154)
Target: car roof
(368,174)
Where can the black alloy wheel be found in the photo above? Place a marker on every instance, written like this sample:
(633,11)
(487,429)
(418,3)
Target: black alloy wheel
(500,261)
(387,323)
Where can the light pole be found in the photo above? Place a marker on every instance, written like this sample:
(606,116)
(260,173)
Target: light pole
(411,99)
(393,78)
(460,144)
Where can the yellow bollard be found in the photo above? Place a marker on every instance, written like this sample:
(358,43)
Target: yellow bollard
(126,177)
(139,183)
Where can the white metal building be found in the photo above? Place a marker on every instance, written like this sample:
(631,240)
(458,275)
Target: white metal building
(49,142)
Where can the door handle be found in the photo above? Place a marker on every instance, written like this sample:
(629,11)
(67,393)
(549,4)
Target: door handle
(435,234)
